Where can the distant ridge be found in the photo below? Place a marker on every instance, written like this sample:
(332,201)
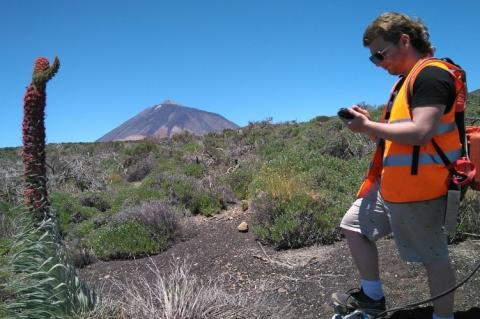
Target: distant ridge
(167,119)
(476,92)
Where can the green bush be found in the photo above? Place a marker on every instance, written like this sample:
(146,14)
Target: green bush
(469,214)
(285,175)
(95,200)
(141,148)
(127,196)
(125,240)
(158,217)
(204,204)
(83,229)
(192,147)
(194,170)
(295,222)
(189,193)
(69,211)
(339,178)
(239,181)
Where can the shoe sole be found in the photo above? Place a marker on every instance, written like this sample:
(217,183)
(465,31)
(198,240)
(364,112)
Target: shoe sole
(343,309)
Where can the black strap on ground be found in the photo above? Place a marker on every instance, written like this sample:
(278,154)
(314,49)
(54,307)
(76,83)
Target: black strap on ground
(415,304)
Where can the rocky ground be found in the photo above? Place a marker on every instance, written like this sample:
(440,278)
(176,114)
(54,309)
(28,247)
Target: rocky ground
(298,283)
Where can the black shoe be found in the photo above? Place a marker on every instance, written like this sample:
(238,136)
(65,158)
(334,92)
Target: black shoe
(355,299)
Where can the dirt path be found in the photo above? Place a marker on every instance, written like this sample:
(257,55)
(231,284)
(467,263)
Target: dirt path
(301,280)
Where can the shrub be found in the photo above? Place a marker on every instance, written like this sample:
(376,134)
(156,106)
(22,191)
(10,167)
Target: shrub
(141,148)
(239,181)
(338,178)
(224,194)
(137,231)
(342,143)
(191,147)
(127,196)
(69,212)
(95,200)
(124,240)
(194,170)
(185,137)
(189,193)
(159,217)
(295,222)
(469,214)
(285,175)
(85,228)
(141,168)
(80,253)
(320,119)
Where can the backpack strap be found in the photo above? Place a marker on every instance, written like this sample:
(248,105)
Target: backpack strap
(415,159)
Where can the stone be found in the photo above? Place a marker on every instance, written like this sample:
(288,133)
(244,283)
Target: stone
(243,227)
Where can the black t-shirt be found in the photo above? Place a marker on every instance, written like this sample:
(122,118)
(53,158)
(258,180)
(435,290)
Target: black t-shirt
(433,86)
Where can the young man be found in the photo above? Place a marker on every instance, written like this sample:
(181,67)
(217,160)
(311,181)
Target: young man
(405,192)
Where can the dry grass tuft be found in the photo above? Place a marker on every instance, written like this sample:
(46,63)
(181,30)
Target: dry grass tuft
(177,295)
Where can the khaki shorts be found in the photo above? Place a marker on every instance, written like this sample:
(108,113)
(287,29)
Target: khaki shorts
(416,226)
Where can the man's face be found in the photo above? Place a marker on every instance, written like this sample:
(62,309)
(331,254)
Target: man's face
(392,56)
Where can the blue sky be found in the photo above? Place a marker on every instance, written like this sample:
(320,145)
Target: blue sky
(244,59)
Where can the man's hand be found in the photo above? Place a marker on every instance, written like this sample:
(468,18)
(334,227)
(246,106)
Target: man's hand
(358,123)
(360,110)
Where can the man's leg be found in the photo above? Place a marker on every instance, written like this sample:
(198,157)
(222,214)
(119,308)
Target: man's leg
(364,223)
(364,253)
(418,234)
(370,297)
(440,278)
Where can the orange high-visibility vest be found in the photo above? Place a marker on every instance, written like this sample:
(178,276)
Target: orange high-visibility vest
(398,181)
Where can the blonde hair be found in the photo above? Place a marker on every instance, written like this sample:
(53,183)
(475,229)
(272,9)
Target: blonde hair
(391,25)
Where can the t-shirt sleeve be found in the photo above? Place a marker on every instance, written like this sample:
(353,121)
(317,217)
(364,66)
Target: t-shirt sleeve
(433,86)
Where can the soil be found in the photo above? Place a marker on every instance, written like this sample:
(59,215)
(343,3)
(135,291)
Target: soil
(299,280)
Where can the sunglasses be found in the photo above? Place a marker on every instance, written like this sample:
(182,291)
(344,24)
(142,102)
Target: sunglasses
(380,55)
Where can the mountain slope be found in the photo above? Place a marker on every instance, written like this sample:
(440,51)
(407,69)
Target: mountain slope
(167,119)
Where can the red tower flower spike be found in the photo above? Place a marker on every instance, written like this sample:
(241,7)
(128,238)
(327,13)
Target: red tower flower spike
(33,129)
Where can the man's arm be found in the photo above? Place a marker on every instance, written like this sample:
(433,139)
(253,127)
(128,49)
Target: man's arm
(417,132)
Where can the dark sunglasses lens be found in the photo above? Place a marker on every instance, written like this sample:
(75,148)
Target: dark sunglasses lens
(379,56)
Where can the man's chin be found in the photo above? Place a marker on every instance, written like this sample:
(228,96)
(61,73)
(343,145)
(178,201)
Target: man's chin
(392,72)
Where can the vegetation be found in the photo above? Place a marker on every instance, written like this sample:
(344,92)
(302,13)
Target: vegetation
(126,200)
(33,129)
(37,279)
(299,177)
(138,231)
(179,294)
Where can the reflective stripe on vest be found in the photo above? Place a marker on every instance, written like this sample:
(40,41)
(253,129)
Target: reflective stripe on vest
(424,159)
